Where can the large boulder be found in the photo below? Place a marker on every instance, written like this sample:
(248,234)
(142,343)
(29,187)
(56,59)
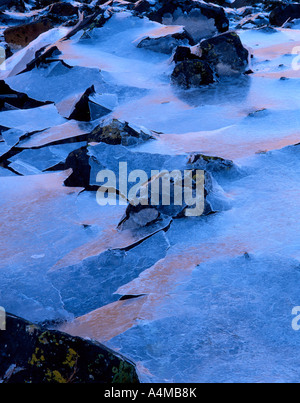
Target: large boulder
(225,53)
(192,73)
(30,354)
(284,13)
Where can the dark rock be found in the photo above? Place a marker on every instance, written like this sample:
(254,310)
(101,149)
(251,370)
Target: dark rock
(138,217)
(18,5)
(200,20)
(284,13)
(22,35)
(30,354)
(78,160)
(8,51)
(61,12)
(142,6)
(113,131)
(184,53)
(225,53)
(88,24)
(192,73)
(241,3)
(63,9)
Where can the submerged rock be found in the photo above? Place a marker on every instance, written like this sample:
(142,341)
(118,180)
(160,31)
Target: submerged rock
(30,354)
(167,186)
(192,73)
(156,200)
(201,186)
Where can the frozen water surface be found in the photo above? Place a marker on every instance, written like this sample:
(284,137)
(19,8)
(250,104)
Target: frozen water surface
(213,295)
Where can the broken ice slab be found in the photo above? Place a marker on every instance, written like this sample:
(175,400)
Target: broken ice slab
(13,136)
(6,172)
(87,106)
(18,62)
(93,282)
(4,148)
(38,226)
(110,320)
(105,219)
(122,161)
(229,323)
(30,120)
(104,156)
(24,168)
(156,283)
(68,132)
(56,81)
(102,104)
(31,162)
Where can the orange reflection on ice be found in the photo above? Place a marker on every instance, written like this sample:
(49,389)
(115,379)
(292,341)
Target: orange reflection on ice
(158,283)
(25,201)
(224,146)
